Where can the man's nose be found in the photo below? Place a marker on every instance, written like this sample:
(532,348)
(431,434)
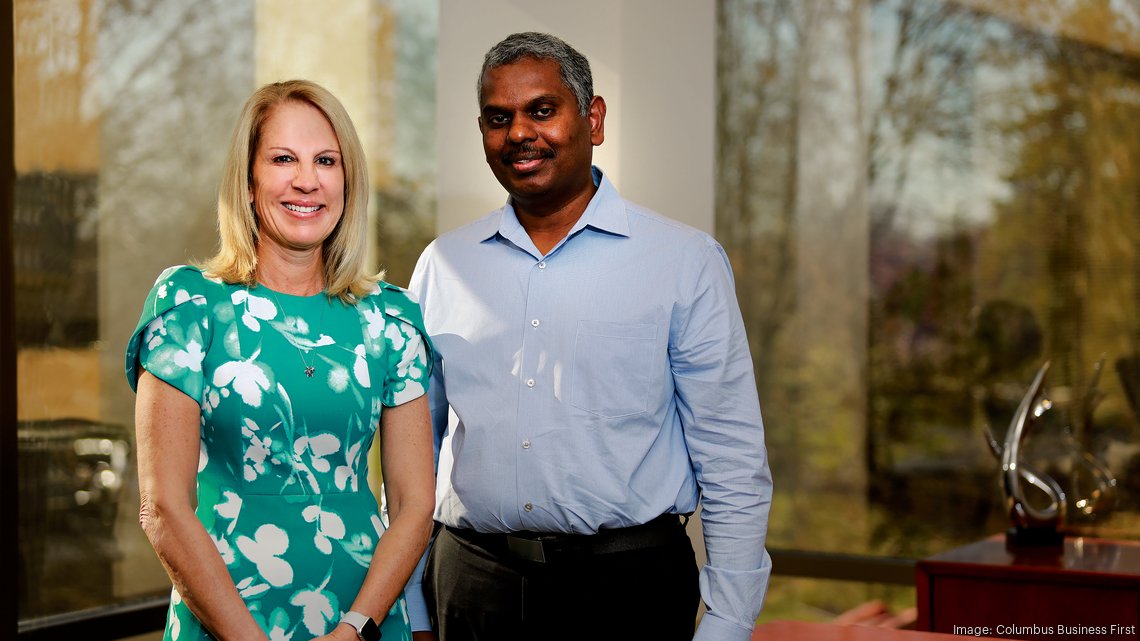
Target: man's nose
(521,130)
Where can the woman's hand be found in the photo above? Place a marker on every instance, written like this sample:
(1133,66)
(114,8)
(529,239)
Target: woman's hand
(342,632)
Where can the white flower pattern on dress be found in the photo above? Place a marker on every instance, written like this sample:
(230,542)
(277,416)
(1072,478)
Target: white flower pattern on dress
(229,508)
(360,367)
(318,448)
(155,333)
(375,322)
(211,401)
(258,448)
(203,456)
(395,337)
(265,549)
(250,587)
(191,357)
(329,526)
(338,379)
(279,625)
(345,475)
(176,625)
(255,308)
(318,608)
(181,296)
(247,377)
(224,549)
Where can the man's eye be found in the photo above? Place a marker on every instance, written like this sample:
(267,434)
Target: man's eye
(497,121)
(544,112)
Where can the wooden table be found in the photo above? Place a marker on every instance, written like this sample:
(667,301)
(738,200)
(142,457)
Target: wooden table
(804,631)
(1082,593)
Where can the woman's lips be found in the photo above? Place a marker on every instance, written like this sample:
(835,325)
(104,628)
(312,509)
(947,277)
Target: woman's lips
(302,209)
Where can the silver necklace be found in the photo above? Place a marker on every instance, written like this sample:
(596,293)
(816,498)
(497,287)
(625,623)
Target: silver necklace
(310,370)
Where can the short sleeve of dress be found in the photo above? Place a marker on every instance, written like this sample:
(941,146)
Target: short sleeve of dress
(173,332)
(408,347)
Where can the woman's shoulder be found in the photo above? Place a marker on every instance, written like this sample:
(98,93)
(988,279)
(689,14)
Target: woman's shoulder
(401,313)
(190,279)
(179,285)
(398,301)
(188,275)
(395,302)
(175,325)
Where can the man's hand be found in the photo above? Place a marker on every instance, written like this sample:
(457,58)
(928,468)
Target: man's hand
(424,636)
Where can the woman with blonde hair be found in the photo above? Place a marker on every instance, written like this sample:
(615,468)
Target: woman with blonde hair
(262,379)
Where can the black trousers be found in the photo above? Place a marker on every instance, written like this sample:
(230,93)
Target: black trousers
(476,595)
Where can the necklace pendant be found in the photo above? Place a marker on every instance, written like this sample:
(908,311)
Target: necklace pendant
(309,369)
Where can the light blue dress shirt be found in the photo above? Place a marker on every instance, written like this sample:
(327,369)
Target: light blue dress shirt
(598,386)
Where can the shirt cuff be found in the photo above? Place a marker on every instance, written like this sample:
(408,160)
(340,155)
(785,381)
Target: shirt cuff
(714,628)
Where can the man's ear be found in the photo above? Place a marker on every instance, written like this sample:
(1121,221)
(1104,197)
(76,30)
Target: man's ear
(597,117)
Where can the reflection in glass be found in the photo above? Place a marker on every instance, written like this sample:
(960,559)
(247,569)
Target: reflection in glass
(892,175)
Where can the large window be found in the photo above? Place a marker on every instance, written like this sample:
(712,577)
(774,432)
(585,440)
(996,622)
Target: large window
(924,200)
(123,111)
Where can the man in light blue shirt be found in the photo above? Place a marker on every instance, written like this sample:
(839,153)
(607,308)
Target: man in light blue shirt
(594,383)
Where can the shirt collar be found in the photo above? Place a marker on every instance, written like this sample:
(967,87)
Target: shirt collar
(605,212)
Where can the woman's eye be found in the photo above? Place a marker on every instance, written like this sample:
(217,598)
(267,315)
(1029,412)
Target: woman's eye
(328,161)
(282,158)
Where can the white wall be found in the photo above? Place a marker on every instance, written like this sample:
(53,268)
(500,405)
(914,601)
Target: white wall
(654,61)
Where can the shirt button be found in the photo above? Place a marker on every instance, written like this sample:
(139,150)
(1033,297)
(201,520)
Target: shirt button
(535,323)
(526,444)
(542,265)
(530,382)
(528,507)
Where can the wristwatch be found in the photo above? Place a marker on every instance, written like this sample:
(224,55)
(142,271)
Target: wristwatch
(366,628)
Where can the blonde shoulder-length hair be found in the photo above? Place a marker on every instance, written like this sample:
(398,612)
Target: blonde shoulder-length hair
(345,250)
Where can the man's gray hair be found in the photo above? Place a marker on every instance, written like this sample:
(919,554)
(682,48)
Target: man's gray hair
(573,66)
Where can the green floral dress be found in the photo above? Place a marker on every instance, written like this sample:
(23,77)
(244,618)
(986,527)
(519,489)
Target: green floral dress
(283,466)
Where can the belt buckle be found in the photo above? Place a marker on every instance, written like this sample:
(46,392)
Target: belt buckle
(526,549)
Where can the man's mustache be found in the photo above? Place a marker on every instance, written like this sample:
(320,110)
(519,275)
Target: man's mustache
(527,152)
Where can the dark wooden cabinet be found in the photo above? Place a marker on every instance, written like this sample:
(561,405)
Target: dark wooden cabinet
(1091,590)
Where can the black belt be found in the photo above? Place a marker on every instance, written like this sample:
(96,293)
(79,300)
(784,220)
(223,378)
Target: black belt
(540,547)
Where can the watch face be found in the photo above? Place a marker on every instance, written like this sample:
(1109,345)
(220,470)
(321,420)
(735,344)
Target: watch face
(370,631)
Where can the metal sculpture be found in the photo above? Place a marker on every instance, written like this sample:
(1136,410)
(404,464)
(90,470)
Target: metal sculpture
(1040,527)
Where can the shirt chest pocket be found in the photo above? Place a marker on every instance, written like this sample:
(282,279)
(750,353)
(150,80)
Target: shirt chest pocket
(612,367)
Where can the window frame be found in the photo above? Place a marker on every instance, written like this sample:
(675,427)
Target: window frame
(8,453)
(100,624)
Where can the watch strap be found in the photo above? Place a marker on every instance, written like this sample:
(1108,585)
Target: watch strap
(366,628)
